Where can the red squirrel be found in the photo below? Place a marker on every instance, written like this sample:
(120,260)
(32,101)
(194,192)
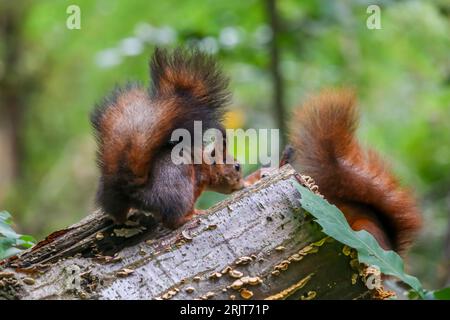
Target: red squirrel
(323,146)
(133,128)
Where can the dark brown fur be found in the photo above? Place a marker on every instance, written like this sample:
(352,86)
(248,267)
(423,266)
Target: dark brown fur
(133,128)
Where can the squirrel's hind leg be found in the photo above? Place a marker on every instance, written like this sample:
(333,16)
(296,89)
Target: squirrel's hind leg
(176,222)
(113,203)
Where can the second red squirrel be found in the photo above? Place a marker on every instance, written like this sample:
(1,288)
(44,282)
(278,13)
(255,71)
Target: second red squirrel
(323,146)
(133,127)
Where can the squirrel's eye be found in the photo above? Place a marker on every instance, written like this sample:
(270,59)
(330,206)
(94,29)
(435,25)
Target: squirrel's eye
(237,166)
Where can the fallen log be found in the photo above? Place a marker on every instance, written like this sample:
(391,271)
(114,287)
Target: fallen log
(258,244)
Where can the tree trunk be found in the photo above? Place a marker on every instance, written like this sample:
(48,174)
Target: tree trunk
(279,110)
(258,244)
(12,92)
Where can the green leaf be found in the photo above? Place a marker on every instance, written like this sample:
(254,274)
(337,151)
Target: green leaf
(7,231)
(334,224)
(5,216)
(442,294)
(5,225)
(9,252)
(5,245)
(11,242)
(25,241)
(413,295)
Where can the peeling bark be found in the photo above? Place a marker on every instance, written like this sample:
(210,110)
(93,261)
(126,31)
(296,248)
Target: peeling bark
(258,244)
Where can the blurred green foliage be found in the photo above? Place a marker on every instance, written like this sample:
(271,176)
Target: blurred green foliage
(12,243)
(400,73)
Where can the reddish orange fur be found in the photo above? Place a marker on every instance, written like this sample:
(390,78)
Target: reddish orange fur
(359,182)
(158,125)
(253,177)
(184,80)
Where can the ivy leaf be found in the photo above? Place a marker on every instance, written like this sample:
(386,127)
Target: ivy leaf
(334,224)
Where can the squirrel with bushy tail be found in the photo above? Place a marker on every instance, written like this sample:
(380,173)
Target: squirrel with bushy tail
(323,146)
(133,127)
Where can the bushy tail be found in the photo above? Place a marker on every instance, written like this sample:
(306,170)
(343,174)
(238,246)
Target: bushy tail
(326,149)
(194,81)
